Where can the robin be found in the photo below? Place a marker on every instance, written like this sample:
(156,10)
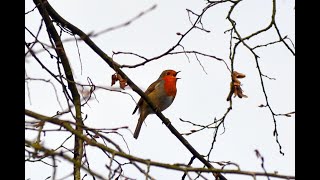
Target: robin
(161,93)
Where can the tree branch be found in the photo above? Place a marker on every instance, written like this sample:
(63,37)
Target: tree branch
(78,145)
(184,168)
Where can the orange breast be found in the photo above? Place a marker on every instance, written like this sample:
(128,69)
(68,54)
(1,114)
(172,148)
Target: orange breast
(170,85)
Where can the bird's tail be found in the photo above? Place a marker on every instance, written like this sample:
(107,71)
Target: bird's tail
(138,128)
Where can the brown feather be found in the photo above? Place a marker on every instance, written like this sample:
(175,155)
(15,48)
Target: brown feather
(147,92)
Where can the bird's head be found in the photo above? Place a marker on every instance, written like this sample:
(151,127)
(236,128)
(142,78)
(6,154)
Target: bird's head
(169,72)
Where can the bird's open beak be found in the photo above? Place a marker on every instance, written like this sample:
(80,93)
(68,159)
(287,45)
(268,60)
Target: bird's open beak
(177,74)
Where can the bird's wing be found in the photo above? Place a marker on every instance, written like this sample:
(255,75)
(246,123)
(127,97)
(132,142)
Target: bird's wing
(148,91)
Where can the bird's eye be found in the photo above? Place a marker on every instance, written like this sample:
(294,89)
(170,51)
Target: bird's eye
(168,73)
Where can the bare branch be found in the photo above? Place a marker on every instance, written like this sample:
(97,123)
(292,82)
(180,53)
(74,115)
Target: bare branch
(178,167)
(153,7)
(242,40)
(78,145)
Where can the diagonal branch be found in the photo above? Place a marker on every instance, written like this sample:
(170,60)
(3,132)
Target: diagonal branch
(116,67)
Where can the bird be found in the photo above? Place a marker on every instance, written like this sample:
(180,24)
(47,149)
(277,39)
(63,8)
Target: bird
(161,93)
